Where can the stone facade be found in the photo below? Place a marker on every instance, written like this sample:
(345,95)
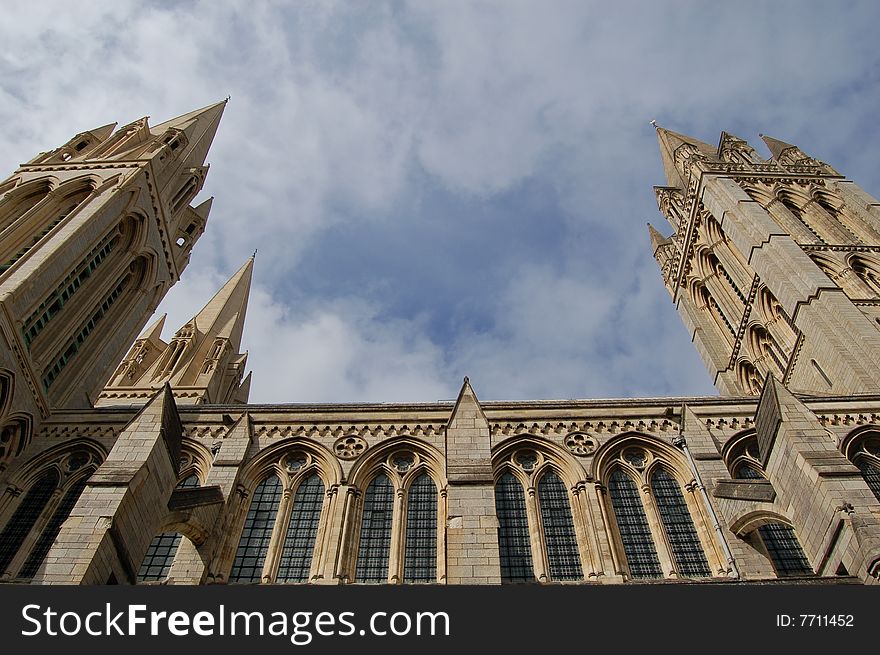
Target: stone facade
(151,467)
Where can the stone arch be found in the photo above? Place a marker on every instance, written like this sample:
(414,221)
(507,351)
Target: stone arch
(52,457)
(774,536)
(640,457)
(555,458)
(763,346)
(561,544)
(7,390)
(770,307)
(828,200)
(375,460)
(760,193)
(830,266)
(401,460)
(751,521)
(195,459)
(742,450)
(867,269)
(862,448)
(606,454)
(24,197)
(750,380)
(703,300)
(68,466)
(16,431)
(269,460)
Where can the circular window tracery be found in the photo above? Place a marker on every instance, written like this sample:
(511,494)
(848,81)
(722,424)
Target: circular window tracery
(349,447)
(580,444)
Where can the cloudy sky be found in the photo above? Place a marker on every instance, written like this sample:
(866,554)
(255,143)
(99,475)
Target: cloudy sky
(440,189)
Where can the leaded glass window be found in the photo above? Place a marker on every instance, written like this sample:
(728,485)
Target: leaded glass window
(163,548)
(785,550)
(375,541)
(44,543)
(559,536)
(635,533)
(420,552)
(257,532)
(159,557)
(871,473)
(25,516)
(190,482)
(514,544)
(746,471)
(687,551)
(302,529)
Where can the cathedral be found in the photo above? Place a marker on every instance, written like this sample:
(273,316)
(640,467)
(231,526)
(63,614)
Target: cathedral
(126,459)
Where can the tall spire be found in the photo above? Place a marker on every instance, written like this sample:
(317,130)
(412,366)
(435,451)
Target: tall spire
(199,126)
(154,332)
(670,142)
(225,312)
(776,146)
(657,239)
(101,133)
(206,118)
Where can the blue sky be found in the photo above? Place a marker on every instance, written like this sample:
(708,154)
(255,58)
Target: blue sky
(440,189)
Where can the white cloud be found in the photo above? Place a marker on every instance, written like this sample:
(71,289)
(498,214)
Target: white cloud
(343,113)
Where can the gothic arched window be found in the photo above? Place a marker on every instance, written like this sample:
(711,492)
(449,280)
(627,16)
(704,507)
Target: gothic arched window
(258,525)
(302,530)
(396,537)
(559,535)
(281,530)
(375,539)
(163,548)
(50,532)
(864,452)
(25,516)
(632,524)
(160,555)
(20,201)
(784,550)
(537,539)
(514,543)
(679,526)
(871,473)
(35,523)
(868,271)
(420,552)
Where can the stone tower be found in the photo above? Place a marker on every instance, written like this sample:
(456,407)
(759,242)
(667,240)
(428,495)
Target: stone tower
(774,265)
(92,236)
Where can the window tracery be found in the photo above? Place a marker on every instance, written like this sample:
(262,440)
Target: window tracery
(283,519)
(53,483)
(537,536)
(398,537)
(658,523)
